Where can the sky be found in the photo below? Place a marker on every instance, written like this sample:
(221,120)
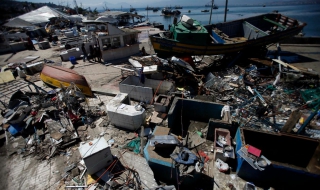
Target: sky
(144,3)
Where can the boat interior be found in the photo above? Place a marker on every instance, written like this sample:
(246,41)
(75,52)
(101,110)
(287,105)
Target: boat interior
(250,28)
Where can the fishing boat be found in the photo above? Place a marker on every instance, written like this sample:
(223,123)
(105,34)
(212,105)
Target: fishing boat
(188,36)
(59,76)
(210,5)
(178,7)
(204,11)
(168,11)
(149,8)
(132,9)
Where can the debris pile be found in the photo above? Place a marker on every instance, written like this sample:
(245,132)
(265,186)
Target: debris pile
(49,122)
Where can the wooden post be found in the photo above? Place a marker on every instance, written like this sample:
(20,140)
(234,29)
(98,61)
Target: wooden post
(225,11)
(142,141)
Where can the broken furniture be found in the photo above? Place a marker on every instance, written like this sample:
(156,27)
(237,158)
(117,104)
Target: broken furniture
(185,110)
(122,114)
(34,68)
(294,159)
(96,154)
(44,45)
(162,103)
(73,52)
(144,91)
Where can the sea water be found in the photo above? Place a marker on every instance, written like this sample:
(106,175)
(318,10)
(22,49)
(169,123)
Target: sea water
(309,14)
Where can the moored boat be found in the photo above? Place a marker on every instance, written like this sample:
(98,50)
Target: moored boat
(188,36)
(132,9)
(168,11)
(59,76)
(204,11)
(210,5)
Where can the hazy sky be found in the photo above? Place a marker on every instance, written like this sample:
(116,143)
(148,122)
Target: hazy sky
(144,3)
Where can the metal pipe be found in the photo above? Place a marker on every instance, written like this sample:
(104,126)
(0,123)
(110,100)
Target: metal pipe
(225,11)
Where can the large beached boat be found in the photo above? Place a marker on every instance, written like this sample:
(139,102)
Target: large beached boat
(188,36)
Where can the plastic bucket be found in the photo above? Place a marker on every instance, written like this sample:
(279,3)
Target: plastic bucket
(72,59)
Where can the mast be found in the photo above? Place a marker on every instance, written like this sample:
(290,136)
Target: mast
(225,11)
(211,11)
(75,4)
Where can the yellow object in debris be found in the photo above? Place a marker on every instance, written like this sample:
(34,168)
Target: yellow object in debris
(181,89)
(301,120)
(6,76)
(90,180)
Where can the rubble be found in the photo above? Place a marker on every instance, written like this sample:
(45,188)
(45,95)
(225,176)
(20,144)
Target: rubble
(188,116)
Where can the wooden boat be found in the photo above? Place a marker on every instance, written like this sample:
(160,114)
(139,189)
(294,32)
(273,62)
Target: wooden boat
(132,9)
(188,36)
(210,5)
(57,76)
(168,11)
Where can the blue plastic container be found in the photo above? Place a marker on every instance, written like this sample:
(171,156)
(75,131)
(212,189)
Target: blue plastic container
(72,60)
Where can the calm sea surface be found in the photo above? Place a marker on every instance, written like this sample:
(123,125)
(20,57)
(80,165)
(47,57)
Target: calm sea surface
(309,14)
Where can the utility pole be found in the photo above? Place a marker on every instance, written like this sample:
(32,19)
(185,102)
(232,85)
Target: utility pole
(225,11)
(211,11)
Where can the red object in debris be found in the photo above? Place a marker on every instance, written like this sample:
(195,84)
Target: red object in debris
(254,151)
(34,113)
(188,59)
(54,98)
(72,116)
(204,155)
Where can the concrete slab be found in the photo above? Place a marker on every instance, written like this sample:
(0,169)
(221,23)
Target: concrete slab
(304,55)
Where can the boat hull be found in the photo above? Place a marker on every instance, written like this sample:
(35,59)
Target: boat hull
(59,76)
(168,47)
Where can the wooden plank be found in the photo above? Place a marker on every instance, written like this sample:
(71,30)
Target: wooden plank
(314,164)
(293,119)
(161,131)
(262,61)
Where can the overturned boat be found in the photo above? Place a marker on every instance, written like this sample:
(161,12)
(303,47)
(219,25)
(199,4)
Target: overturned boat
(188,36)
(58,76)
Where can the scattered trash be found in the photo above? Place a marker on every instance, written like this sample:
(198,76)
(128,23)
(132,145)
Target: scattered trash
(222,166)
